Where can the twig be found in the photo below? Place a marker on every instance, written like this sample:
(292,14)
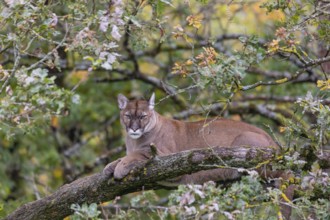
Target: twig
(159,84)
(287,79)
(272,98)
(13,71)
(51,52)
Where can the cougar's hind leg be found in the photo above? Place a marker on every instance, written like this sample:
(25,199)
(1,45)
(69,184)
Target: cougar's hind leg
(216,175)
(252,139)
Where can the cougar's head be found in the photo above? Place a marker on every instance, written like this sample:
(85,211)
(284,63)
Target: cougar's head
(137,116)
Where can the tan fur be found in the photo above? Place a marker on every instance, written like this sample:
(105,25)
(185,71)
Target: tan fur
(145,126)
(171,136)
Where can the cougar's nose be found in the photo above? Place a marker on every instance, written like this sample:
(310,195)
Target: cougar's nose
(135,126)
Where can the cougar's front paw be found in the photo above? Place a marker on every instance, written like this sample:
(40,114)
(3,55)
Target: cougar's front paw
(122,170)
(110,168)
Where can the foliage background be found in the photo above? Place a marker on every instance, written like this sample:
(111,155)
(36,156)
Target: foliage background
(62,63)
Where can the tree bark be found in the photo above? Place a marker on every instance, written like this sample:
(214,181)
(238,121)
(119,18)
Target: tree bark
(98,188)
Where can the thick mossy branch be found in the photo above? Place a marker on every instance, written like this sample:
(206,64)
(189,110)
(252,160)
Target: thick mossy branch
(99,188)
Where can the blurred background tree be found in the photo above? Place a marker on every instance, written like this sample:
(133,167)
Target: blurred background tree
(62,64)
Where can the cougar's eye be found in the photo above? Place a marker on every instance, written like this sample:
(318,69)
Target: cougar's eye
(128,116)
(143,116)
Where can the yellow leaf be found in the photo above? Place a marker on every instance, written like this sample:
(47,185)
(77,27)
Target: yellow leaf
(148,68)
(292,179)
(187,39)
(323,84)
(319,83)
(315,167)
(89,58)
(259,88)
(77,77)
(195,20)
(54,122)
(282,80)
(273,46)
(236,117)
(22,151)
(35,161)
(81,75)
(206,125)
(282,129)
(305,54)
(189,62)
(106,203)
(279,215)
(57,173)
(285,198)
(43,179)
(281,33)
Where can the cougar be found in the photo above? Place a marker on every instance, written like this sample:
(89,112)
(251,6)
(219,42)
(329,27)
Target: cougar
(144,126)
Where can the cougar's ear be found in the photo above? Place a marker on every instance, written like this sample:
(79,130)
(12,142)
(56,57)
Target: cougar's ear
(152,101)
(122,101)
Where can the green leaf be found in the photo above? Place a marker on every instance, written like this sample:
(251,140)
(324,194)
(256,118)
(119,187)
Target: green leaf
(168,2)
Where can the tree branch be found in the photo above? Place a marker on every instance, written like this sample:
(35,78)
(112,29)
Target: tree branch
(138,75)
(234,107)
(272,98)
(287,79)
(98,188)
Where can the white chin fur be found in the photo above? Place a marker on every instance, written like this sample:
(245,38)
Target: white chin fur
(135,134)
